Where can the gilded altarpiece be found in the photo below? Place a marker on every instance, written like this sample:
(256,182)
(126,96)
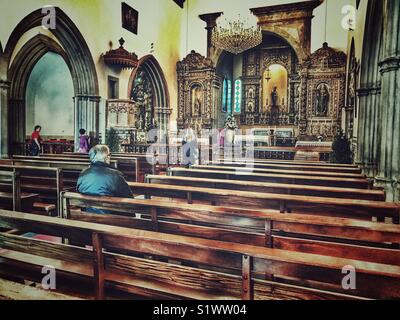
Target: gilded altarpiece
(266,107)
(198,92)
(324,79)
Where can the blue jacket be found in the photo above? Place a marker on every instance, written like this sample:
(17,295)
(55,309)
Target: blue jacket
(102,180)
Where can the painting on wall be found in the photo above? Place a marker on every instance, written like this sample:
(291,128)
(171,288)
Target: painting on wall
(130,18)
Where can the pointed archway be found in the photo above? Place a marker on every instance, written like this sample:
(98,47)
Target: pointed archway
(72,47)
(161,110)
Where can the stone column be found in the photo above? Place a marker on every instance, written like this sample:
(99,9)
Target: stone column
(86,117)
(17,132)
(389,166)
(363,94)
(211,20)
(4,88)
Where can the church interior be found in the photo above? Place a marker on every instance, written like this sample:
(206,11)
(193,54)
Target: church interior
(202,150)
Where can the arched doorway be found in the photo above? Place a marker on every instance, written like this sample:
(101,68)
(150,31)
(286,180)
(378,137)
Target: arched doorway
(71,46)
(148,89)
(49,94)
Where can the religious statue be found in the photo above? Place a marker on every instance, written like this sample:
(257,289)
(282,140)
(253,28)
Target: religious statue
(274,107)
(322,97)
(274,97)
(196,101)
(250,107)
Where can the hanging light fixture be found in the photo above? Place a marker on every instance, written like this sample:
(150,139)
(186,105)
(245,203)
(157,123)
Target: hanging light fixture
(237,36)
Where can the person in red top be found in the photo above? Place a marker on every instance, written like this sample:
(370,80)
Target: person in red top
(35,147)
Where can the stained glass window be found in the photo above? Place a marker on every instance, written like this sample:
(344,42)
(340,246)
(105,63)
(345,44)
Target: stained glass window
(227,96)
(224,96)
(238,96)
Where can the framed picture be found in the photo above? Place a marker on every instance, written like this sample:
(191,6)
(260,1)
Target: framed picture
(130,18)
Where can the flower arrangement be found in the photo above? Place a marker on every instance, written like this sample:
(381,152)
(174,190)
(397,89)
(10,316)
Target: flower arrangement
(230,123)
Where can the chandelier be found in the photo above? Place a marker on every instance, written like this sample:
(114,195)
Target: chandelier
(237,36)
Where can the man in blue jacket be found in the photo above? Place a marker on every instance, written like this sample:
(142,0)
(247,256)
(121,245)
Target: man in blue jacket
(100,179)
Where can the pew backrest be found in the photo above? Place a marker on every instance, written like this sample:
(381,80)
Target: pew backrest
(283,166)
(356,209)
(277,178)
(289,189)
(320,173)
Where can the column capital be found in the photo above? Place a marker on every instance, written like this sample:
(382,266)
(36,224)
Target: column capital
(369,88)
(87,97)
(5,84)
(210,19)
(389,64)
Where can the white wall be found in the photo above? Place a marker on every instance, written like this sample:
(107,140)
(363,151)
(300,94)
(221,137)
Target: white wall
(49,97)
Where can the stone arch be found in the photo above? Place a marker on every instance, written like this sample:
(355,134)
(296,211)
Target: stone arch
(27,58)
(162,109)
(1,48)
(73,48)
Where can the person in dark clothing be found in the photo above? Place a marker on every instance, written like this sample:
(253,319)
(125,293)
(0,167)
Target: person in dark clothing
(100,179)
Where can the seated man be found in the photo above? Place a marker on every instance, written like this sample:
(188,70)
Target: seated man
(100,179)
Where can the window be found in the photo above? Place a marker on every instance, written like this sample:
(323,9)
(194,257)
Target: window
(227,96)
(224,97)
(238,96)
(113,88)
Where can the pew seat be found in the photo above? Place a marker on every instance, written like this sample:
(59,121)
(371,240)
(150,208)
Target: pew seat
(27,200)
(45,208)
(10,290)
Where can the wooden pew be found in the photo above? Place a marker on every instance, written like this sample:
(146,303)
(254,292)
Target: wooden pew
(46,182)
(72,164)
(255,186)
(133,167)
(67,165)
(283,166)
(274,178)
(320,173)
(13,198)
(244,266)
(303,163)
(247,226)
(352,208)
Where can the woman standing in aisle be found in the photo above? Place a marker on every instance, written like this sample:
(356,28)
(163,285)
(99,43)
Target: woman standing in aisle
(35,144)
